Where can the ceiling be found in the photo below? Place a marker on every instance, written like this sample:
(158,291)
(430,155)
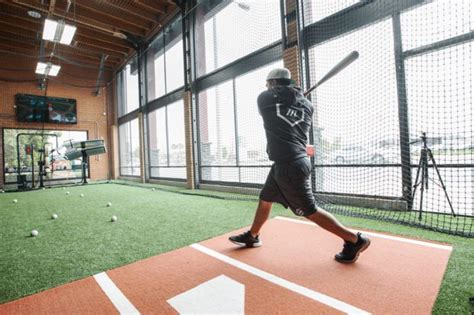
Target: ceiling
(105,29)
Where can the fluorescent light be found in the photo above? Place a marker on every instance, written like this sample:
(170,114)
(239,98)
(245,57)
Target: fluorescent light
(68,34)
(47,69)
(54,70)
(49,30)
(41,68)
(58,31)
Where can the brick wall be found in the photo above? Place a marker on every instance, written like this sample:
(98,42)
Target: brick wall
(188,123)
(90,109)
(291,61)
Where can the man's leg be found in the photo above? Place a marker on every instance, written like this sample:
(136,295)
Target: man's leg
(328,222)
(250,238)
(261,216)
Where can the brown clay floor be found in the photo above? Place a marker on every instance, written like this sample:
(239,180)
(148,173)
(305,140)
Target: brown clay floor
(293,273)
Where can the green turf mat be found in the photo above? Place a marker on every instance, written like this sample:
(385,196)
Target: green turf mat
(83,241)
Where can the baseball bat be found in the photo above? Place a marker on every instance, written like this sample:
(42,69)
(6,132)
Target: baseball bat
(335,70)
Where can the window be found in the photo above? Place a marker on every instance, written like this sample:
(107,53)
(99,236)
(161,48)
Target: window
(252,142)
(129,148)
(237,29)
(174,66)
(127,89)
(232,137)
(167,142)
(316,10)
(440,98)
(57,166)
(217,125)
(435,21)
(356,113)
(439,91)
(165,62)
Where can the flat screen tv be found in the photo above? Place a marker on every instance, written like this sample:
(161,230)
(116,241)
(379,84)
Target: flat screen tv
(37,108)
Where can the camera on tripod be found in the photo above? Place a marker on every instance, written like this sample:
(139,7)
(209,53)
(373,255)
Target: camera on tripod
(426,155)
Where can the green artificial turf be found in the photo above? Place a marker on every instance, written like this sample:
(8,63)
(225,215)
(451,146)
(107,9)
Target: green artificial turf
(83,241)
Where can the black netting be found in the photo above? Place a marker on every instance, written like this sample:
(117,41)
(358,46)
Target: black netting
(414,76)
(405,103)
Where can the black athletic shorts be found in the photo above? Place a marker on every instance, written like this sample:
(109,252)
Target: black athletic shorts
(289,184)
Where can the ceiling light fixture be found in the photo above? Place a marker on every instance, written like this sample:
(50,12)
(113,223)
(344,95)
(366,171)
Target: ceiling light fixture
(58,31)
(47,69)
(34,14)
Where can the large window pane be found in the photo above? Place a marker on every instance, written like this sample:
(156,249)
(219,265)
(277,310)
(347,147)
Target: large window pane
(159,87)
(167,142)
(129,148)
(174,66)
(135,138)
(165,63)
(158,139)
(177,151)
(315,10)
(236,30)
(356,112)
(217,127)
(231,133)
(125,156)
(130,90)
(440,98)
(251,134)
(435,21)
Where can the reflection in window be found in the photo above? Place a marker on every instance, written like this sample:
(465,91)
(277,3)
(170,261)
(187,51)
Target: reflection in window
(129,148)
(167,142)
(236,30)
(316,10)
(435,21)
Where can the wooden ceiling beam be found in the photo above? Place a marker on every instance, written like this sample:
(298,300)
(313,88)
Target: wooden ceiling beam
(87,22)
(19,23)
(8,16)
(101,50)
(97,44)
(20,33)
(15,42)
(124,17)
(137,11)
(72,54)
(19,41)
(151,5)
(105,38)
(93,16)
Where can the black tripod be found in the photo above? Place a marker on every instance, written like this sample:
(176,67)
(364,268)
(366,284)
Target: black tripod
(425,156)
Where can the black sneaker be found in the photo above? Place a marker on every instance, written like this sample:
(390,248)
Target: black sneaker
(351,251)
(246,239)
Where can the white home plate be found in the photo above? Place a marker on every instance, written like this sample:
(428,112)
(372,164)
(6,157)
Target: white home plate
(220,295)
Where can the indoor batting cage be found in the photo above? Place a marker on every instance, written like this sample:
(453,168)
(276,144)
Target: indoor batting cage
(392,126)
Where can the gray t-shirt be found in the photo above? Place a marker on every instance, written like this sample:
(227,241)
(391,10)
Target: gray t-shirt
(287,116)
